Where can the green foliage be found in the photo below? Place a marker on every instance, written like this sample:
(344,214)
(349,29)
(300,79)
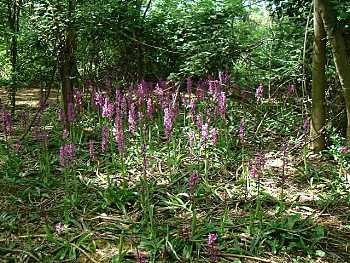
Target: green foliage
(139,201)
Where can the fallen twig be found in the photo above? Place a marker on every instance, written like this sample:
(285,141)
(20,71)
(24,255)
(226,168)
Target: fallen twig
(230,256)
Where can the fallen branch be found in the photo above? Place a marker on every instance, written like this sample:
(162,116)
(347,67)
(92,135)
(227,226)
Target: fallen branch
(231,256)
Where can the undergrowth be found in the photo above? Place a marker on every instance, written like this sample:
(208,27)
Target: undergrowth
(169,176)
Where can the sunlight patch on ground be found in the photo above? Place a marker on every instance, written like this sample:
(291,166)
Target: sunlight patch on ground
(28,97)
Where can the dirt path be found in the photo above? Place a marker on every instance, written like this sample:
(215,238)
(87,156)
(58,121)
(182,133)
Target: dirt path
(28,97)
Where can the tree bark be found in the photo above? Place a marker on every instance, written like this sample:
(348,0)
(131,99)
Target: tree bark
(13,19)
(68,60)
(340,55)
(319,82)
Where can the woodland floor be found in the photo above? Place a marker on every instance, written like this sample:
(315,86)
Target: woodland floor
(28,209)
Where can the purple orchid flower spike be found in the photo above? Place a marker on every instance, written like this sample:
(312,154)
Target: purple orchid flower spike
(132,118)
(242,131)
(193,181)
(168,122)
(105,138)
(118,133)
(214,135)
(67,154)
(213,251)
(259,91)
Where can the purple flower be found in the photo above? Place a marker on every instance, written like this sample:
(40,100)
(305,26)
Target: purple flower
(99,99)
(132,118)
(212,238)
(174,106)
(70,151)
(205,132)
(291,89)
(193,181)
(105,138)
(158,90)
(213,251)
(192,108)
(118,97)
(168,122)
(260,161)
(92,150)
(141,91)
(222,104)
(214,87)
(59,228)
(140,257)
(208,114)
(67,154)
(224,77)
(242,131)
(199,121)
(344,150)
(150,108)
(118,133)
(214,135)
(124,106)
(78,100)
(70,112)
(108,109)
(7,122)
(259,91)
(253,171)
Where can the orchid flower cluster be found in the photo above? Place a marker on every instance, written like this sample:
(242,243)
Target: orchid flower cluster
(193,181)
(131,109)
(7,122)
(213,250)
(67,154)
(257,166)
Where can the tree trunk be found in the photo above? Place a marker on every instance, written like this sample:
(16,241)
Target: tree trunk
(340,56)
(68,60)
(14,11)
(319,82)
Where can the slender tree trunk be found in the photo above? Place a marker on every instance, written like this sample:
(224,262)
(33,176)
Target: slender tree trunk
(14,12)
(319,82)
(340,55)
(68,60)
